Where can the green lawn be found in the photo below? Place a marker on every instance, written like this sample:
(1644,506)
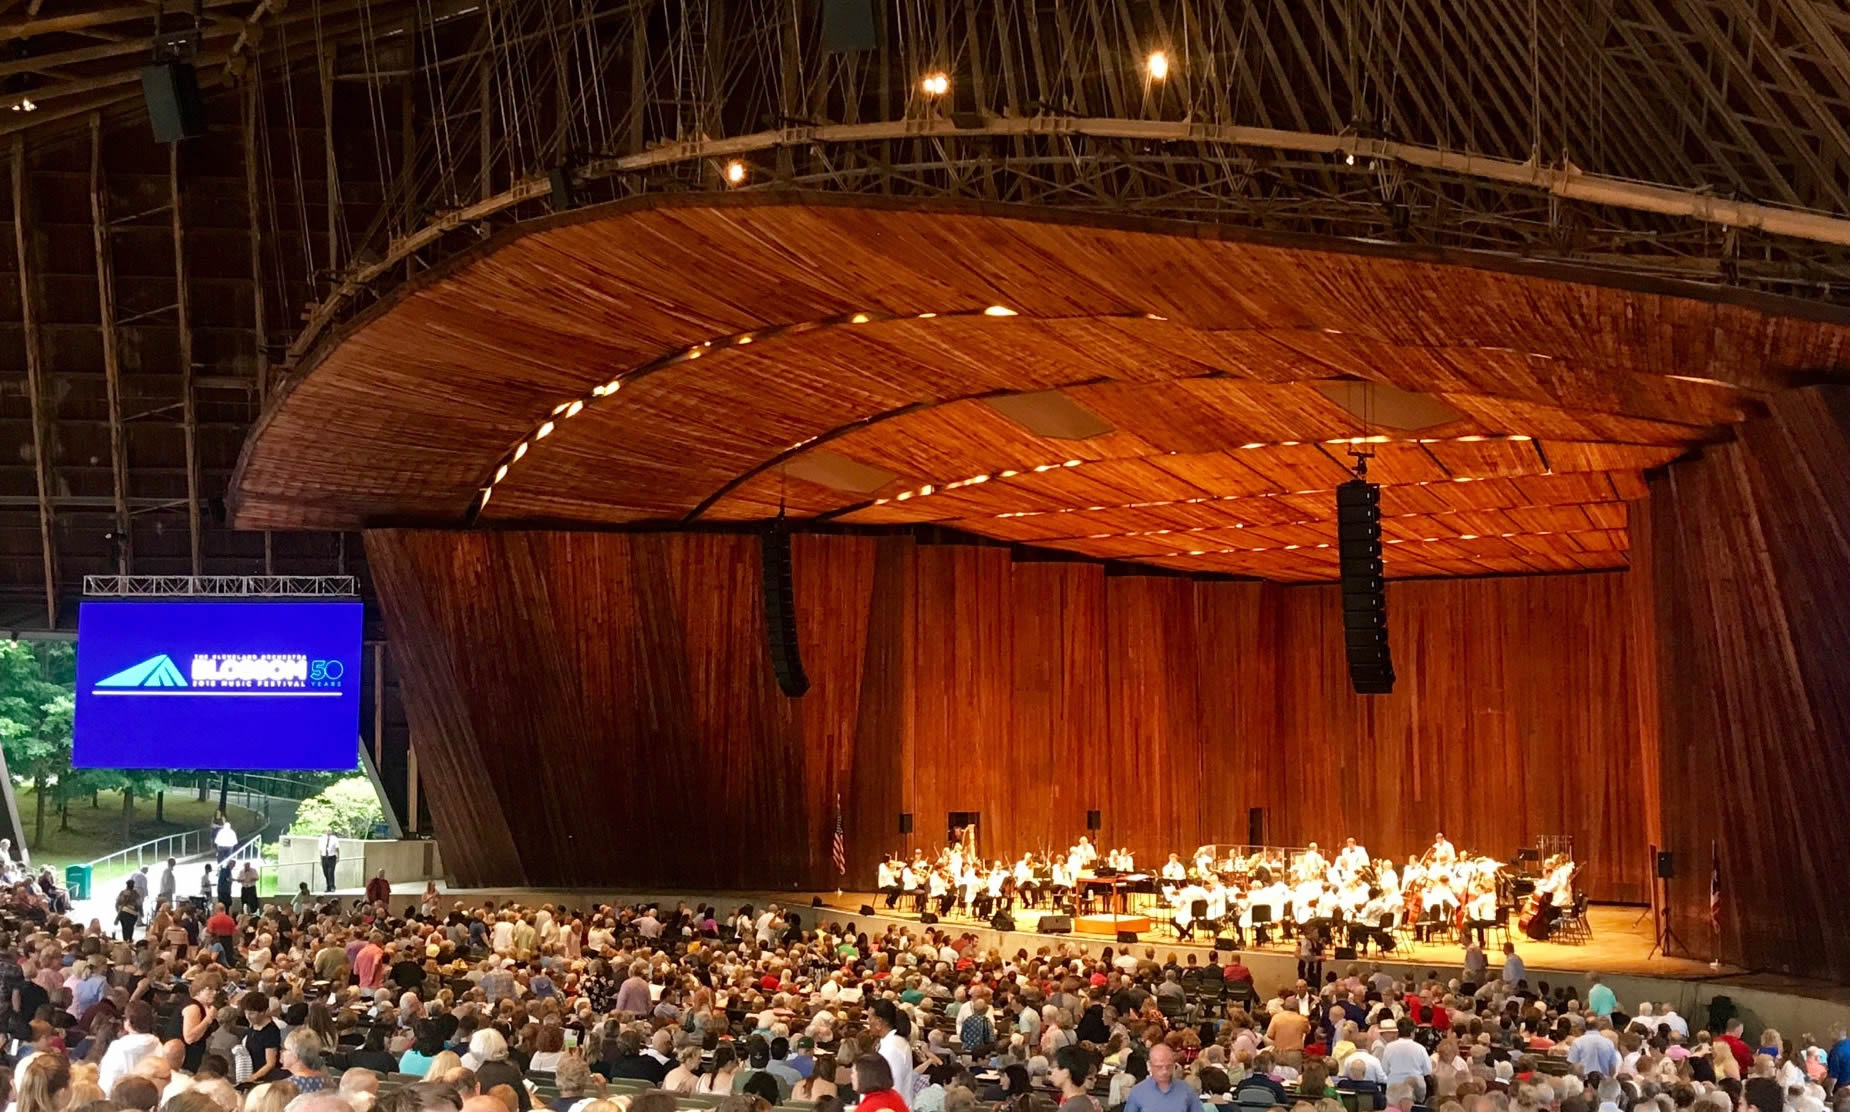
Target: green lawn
(95,831)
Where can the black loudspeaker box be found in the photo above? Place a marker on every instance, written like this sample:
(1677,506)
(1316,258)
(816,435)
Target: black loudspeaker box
(905,822)
(928,917)
(1003,921)
(1364,597)
(1226,944)
(1094,820)
(1666,864)
(1345,953)
(1055,924)
(867,909)
(847,25)
(564,193)
(815,901)
(780,614)
(175,108)
(1127,938)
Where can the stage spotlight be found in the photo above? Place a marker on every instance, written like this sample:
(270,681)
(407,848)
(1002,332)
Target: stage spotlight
(936,84)
(999,311)
(735,172)
(1157,64)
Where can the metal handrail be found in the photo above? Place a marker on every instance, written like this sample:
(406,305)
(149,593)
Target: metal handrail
(142,851)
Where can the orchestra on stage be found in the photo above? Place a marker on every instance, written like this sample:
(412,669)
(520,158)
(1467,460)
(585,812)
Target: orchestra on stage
(1250,893)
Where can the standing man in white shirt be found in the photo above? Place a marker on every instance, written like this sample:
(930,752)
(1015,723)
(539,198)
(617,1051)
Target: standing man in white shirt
(330,857)
(883,1021)
(170,883)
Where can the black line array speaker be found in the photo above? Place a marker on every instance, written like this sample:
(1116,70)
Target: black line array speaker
(1365,635)
(847,25)
(1666,864)
(564,190)
(905,822)
(1055,924)
(175,108)
(780,614)
(1094,820)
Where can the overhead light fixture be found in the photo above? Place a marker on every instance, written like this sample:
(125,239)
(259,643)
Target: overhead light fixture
(735,172)
(936,83)
(1000,311)
(1157,64)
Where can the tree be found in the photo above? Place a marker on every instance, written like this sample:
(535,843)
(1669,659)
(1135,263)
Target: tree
(349,807)
(37,708)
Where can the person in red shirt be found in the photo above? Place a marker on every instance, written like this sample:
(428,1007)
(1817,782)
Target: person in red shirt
(1743,1054)
(1236,971)
(221,926)
(378,889)
(873,1079)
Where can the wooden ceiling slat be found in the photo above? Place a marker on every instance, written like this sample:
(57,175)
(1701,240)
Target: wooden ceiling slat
(1184,344)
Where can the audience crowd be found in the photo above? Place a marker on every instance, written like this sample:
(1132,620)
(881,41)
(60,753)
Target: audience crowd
(323,1005)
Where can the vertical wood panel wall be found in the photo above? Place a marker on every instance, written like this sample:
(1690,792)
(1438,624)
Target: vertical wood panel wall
(1748,552)
(600,710)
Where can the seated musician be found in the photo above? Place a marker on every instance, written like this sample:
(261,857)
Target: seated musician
(1061,887)
(969,887)
(1184,903)
(1082,854)
(995,891)
(886,879)
(1353,858)
(1027,887)
(1481,911)
(1377,920)
(1439,902)
(1217,904)
(1442,852)
(1204,861)
(1173,869)
(909,883)
(1386,877)
(938,890)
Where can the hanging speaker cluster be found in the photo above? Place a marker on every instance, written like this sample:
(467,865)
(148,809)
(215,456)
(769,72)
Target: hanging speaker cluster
(1365,636)
(780,614)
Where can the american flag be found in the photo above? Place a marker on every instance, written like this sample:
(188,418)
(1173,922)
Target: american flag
(1715,887)
(839,850)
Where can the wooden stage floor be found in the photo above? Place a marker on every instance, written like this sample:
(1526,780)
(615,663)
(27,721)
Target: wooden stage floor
(1621,943)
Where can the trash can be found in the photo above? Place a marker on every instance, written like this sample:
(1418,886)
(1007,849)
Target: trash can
(77,881)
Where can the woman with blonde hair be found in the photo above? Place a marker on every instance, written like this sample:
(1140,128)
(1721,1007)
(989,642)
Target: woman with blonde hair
(271,1096)
(44,1083)
(686,1072)
(443,1063)
(1722,1059)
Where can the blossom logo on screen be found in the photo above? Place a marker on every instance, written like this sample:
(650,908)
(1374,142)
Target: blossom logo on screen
(228,674)
(156,671)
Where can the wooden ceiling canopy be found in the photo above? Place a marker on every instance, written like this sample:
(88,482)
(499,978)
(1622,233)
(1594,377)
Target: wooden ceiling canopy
(703,362)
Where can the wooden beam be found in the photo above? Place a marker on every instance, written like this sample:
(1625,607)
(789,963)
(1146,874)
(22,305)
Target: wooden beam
(260,325)
(112,361)
(411,787)
(189,414)
(379,704)
(35,380)
(324,58)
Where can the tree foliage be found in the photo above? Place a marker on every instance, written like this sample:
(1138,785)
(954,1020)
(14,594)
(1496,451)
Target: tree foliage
(349,807)
(38,681)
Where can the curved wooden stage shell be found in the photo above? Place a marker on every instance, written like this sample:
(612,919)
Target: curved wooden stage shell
(559,445)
